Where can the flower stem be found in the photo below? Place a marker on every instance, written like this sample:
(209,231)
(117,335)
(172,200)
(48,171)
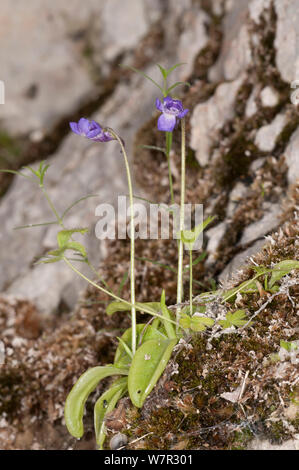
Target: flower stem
(168,149)
(132,237)
(181,224)
(190,281)
(114,296)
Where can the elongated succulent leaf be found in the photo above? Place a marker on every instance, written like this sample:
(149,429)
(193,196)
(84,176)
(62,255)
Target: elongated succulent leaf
(147,366)
(104,405)
(85,385)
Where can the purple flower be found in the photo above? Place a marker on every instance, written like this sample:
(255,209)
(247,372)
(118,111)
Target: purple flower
(172,111)
(90,129)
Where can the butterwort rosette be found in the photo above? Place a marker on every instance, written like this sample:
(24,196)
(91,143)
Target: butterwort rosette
(172,111)
(91,130)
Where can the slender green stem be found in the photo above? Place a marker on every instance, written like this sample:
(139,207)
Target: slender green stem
(181,224)
(93,269)
(132,237)
(115,297)
(168,149)
(191,281)
(59,220)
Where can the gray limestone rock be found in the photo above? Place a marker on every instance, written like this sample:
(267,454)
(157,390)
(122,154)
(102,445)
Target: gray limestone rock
(266,136)
(292,157)
(210,116)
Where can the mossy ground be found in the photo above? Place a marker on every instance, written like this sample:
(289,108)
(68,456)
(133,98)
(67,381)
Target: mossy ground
(186,409)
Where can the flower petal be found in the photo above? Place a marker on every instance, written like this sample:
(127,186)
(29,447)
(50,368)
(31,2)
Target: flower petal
(166,122)
(168,100)
(74,127)
(83,125)
(183,113)
(94,129)
(159,105)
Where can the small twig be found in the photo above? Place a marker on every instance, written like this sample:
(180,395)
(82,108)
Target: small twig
(243,386)
(136,440)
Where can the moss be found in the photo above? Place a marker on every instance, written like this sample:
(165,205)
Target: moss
(241,439)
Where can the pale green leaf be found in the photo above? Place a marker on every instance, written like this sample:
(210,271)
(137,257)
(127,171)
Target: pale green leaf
(147,366)
(189,237)
(104,405)
(85,385)
(143,74)
(200,323)
(237,319)
(172,87)
(282,269)
(185,321)
(288,346)
(64,235)
(76,246)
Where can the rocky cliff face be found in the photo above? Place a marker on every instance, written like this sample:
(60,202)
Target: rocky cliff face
(61,62)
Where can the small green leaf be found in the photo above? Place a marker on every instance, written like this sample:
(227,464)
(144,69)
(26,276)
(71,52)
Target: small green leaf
(42,224)
(200,323)
(189,237)
(50,260)
(147,366)
(167,315)
(64,235)
(185,321)
(237,318)
(282,269)
(172,87)
(117,306)
(18,173)
(143,74)
(104,405)
(76,246)
(86,384)
(153,147)
(288,346)
(126,347)
(34,172)
(42,171)
(171,69)
(163,71)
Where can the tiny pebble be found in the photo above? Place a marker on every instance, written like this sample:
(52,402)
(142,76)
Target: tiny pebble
(117,441)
